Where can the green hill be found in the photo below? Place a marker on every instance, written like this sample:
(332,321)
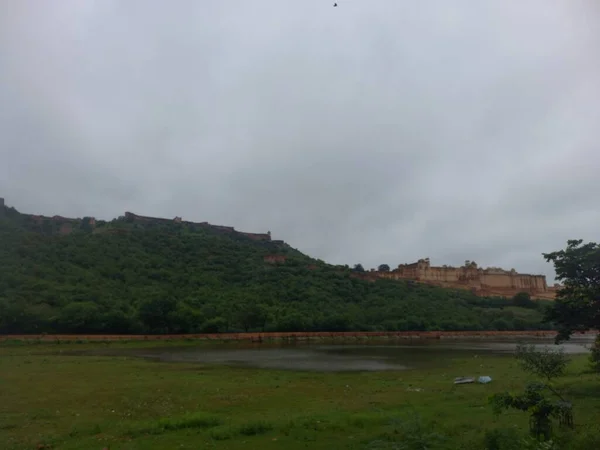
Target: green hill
(166,277)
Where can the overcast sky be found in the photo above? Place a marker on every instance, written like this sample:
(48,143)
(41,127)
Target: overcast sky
(380,131)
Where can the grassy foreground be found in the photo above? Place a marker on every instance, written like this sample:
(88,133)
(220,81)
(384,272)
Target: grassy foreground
(60,401)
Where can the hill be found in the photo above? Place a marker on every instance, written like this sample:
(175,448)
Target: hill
(136,276)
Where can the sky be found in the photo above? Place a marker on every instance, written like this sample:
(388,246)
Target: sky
(380,131)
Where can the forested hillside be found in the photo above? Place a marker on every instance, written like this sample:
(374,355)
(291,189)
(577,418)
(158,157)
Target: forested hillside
(174,278)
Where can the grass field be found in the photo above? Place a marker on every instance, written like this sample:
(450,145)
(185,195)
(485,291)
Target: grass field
(49,399)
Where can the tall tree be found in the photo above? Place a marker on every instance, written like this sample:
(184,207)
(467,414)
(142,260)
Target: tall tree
(252,315)
(156,313)
(384,268)
(359,268)
(577,305)
(523,299)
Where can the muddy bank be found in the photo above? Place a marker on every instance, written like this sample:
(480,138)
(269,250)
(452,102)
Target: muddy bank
(258,337)
(341,356)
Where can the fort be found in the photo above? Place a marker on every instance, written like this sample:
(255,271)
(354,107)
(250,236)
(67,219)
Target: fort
(131,217)
(65,225)
(492,281)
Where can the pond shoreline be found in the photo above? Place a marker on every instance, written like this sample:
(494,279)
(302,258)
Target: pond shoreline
(294,336)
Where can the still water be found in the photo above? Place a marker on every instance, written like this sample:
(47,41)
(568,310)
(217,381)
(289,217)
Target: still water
(342,357)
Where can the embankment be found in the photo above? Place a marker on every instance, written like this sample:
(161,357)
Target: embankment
(288,336)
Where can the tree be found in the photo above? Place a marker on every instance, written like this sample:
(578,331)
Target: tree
(577,303)
(383,268)
(359,268)
(523,299)
(293,321)
(546,364)
(79,317)
(155,313)
(214,325)
(119,321)
(541,409)
(252,315)
(184,319)
(86,224)
(595,355)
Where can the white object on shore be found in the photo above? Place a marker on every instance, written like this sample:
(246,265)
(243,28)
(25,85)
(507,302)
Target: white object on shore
(484,379)
(464,380)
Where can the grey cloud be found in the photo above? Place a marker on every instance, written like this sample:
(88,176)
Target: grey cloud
(373,132)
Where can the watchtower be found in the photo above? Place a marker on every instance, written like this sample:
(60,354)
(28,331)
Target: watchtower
(423,264)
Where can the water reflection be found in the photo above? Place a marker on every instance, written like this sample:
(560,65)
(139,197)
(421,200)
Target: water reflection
(342,357)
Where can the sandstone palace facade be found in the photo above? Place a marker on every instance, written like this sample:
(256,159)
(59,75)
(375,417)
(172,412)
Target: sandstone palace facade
(485,282)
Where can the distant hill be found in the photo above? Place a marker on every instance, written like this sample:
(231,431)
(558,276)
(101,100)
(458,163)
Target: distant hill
(140,275)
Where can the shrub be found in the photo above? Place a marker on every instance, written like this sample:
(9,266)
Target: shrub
(546,363)
(595,356)
(410,433)
(255,428)
(191,420)
(502,439)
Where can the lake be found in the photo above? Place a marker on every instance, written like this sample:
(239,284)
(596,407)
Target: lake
(373,356)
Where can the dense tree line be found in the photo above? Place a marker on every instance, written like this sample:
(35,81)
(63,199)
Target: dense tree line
(174,278)
(577,305)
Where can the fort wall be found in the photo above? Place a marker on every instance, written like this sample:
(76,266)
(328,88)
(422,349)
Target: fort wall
(490,281)
(66,225)
(222,228)
(131,217)
(258,236)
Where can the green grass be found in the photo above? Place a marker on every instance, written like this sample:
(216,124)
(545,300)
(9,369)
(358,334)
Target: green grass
(123,403)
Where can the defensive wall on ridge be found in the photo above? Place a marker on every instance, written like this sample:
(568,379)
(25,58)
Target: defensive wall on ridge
(129,216)
(65,225)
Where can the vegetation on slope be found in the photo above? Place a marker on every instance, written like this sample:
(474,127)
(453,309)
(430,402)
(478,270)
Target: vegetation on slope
(123,277)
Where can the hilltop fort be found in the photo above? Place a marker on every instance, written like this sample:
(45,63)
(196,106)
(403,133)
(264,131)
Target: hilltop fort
(66,225)
(492,281)
(131,217)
